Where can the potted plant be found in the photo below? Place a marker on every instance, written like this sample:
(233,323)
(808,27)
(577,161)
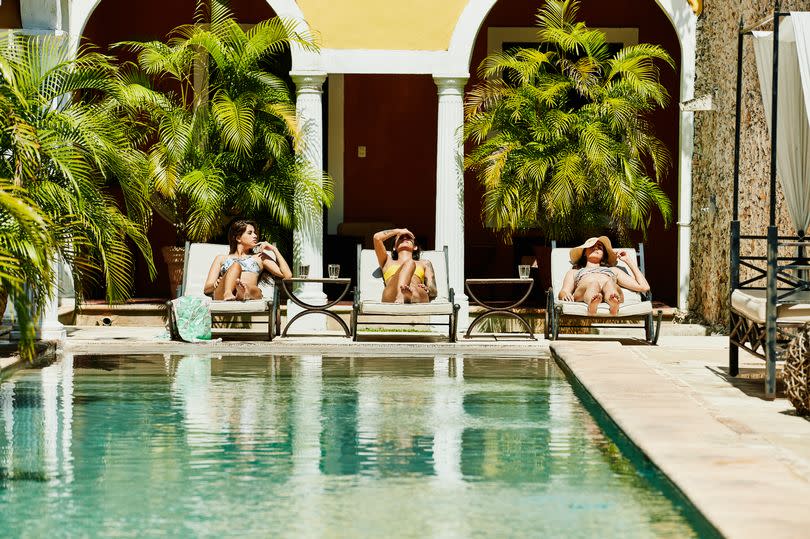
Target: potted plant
(562,137)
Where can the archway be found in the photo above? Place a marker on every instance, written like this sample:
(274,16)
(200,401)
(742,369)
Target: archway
(492,22)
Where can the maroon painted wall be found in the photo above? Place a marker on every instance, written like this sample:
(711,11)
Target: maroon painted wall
(395,118)
(10,14)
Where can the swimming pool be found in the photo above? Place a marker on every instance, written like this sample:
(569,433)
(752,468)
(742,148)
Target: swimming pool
(315,446)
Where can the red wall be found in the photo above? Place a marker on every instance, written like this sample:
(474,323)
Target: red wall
(395,118)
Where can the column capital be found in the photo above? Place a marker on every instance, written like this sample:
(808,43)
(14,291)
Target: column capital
(451,84)
(308,81)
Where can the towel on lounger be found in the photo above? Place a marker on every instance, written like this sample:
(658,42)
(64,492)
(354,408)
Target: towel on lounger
(192,318)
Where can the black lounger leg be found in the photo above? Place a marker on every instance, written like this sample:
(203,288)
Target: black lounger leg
(733,359)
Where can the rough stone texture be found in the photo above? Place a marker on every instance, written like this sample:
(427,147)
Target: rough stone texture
(713,163)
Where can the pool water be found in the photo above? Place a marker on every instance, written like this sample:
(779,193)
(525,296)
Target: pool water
(312,446)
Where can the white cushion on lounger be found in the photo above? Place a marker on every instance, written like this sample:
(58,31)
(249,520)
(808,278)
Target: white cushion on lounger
(240,307)
(415,309)
(635,308)
(752,304)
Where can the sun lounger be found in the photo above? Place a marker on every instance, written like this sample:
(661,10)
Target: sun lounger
(198,259)
(370,285)
(634,307)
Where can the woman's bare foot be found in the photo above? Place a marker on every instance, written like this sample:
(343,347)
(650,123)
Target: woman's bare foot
(407,293)
(228,297)
(241,290)
(594,304)
(614,302)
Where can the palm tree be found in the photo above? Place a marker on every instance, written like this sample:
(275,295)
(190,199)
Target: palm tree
(26,244)
(562,132)
(224,147)
(60,145)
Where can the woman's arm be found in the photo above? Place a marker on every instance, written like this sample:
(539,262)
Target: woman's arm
(430,280)
(212,281)
(277,267)
(379,245)
(567,291)
(637,282)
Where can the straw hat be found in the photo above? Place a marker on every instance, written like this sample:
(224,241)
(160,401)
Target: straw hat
(576,253)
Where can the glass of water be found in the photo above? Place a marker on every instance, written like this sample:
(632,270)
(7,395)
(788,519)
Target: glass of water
(523,271)
(303,271)
(334,271)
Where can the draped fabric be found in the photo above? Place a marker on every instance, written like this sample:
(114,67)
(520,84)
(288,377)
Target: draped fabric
(793,110)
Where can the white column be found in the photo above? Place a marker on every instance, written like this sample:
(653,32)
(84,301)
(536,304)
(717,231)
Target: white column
(50,328)
(308,235)
(450,184)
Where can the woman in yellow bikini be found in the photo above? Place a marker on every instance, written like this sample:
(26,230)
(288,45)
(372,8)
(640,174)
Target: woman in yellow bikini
(407,279)
(594,277)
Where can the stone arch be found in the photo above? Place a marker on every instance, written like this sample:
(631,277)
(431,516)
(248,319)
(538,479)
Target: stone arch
(82,10)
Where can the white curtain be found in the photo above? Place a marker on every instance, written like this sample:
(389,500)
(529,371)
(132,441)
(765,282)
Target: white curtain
(793,112)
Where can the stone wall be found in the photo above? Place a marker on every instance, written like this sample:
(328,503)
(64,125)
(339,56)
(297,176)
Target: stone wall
(713,163)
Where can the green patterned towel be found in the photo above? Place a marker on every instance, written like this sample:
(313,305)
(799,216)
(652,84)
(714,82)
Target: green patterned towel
(192,318)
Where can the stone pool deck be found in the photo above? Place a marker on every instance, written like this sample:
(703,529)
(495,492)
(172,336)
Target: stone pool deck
(742,460)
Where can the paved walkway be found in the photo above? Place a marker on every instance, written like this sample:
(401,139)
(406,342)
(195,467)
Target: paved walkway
(117,340)
(742,460)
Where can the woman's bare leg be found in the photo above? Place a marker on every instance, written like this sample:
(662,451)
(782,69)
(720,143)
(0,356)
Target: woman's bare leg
(230,280)
(591,293)
(219,291)
(405,278)
(391,290)
(612,296)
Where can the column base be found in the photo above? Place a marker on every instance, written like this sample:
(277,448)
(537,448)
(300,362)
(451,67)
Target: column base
(52,331)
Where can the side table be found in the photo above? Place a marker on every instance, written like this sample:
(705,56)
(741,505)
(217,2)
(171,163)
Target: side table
(315,309)
(497,308)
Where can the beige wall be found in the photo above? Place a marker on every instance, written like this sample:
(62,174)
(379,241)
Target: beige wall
(713,160)
(383,24)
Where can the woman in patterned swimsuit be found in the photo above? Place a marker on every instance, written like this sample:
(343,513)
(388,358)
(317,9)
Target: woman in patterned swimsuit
(407,279)
(595,278)
(235,276)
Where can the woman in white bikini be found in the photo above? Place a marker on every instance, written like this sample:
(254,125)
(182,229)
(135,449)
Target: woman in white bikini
(595,278)
(235,276)
(407,279)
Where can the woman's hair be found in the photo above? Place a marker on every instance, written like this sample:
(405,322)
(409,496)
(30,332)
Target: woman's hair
(416,250)
(237,229)
(583,260)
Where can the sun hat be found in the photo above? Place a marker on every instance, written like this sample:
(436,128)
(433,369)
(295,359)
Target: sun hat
(576,253)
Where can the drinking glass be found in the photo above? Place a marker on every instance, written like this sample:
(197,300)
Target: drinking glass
(523,270)
(334,271)
(303,271)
